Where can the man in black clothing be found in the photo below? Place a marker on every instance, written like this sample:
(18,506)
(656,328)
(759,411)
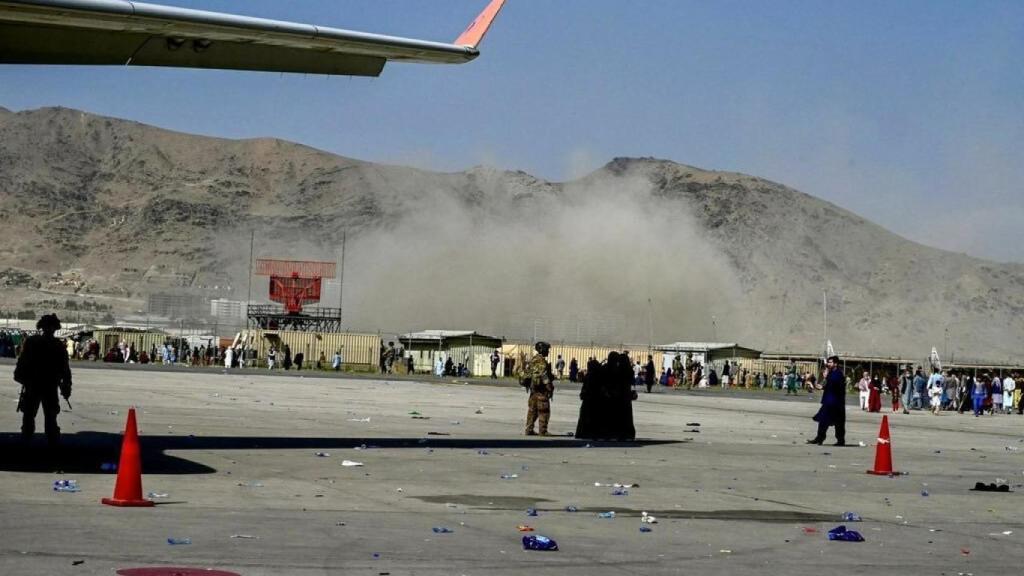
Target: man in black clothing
(833,405)
(42,370)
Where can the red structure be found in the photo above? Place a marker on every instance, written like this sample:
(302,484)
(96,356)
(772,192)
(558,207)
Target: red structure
(294,283)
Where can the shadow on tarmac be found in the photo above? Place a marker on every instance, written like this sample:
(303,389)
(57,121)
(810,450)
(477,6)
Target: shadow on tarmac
(87,452)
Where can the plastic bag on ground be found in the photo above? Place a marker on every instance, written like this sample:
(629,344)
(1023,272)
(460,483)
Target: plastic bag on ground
(538,542)
(840,533)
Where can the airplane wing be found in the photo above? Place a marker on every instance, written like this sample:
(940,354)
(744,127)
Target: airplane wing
(123,32)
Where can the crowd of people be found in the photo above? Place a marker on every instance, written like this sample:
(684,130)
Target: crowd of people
(978,393)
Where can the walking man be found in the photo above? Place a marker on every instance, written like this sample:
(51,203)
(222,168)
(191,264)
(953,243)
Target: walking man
(833,405)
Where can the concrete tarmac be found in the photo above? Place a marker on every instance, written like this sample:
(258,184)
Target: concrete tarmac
(234,459)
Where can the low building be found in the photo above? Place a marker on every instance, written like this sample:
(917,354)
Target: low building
(462,346)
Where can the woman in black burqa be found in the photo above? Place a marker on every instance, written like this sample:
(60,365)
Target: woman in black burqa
(594,408)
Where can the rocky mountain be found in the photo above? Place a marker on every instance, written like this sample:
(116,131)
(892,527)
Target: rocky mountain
(640,250)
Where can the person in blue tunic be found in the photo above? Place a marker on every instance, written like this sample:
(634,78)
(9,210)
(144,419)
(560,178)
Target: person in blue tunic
(833,405)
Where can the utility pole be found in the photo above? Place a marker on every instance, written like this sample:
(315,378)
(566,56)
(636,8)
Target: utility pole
(341,278)
(252,246)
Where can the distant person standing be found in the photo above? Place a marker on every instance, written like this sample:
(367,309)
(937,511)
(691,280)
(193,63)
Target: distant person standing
(574,370)
(1009,389)
(649,373)
(271,358)
(495,360)
(864,387)
(42,371)
(410,364)
(299,359)
(336,360)
(287,362)
(833,405)
(875,395)
(906,389)
(539,381)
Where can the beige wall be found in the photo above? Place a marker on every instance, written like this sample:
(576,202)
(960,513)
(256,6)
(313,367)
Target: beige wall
(363,349)
(523,351)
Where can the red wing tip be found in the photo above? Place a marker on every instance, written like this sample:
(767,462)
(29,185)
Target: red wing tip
(476,31)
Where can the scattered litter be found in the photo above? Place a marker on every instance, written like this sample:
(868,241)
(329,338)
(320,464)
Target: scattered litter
(693,423)
(157,495)
(524,467)
(66,486)
(609,514)
(809,530)
(524,528)
(414,413)
(438,434)
(367,419)
(421,417)
(509,476)
(724,551)
(538,542)
(322,454)
(571,508)
(108,467)
(841,534)
(482,452)
(376,555)
(479,410)
(645,528)
(399,490)
(77,562)
(924,492)
(455,423)
(620,492)
(1011,448)
(245,537)
(251,484)
(647,519)
(531,511)
(350,463)
(965,551)
(339,523)
(861,444)
(450,505)
(179,541)
(442,530)
(616,485)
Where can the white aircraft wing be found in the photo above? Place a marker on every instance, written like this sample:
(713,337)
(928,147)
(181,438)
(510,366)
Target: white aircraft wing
(123,32)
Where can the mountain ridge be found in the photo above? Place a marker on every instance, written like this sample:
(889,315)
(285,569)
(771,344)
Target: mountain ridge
(131,209)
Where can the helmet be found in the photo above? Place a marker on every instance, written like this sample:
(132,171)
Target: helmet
(542,348)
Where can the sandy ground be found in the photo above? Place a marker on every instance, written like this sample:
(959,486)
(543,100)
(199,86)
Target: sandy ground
(235,455)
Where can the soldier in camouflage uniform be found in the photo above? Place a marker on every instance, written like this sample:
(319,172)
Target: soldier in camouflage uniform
(540,381)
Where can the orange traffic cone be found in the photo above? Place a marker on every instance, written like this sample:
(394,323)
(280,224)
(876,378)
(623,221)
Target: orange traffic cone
(883,451)
(128,490)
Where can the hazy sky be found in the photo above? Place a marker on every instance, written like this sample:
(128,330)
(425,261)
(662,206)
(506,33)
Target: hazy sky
(908,113)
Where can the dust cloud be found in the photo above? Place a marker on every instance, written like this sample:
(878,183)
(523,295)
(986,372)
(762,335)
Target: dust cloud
(592,260)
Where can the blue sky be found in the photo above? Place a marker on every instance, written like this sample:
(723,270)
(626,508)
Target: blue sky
(908,113)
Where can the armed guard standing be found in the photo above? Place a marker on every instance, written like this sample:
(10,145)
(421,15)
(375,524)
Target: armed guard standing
(42,370)
(541,384)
